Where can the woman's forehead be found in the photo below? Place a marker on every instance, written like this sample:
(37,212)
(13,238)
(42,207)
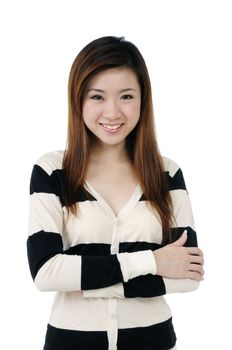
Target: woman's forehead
(121,78)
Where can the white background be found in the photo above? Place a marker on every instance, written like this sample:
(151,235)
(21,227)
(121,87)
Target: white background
(187,47)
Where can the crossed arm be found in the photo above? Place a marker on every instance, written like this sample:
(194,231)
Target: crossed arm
(173,268)
(178,269)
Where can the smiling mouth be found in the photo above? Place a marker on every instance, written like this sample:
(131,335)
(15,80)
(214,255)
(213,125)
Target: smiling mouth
(111,127)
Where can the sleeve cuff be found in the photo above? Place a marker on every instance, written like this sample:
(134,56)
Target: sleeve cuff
(137,264)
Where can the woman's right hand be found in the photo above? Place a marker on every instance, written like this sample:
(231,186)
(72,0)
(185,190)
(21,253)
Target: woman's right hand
(176,261)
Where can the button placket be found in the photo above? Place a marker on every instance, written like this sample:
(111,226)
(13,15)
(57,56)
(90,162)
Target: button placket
(113,324)
(116,237)
(113,321)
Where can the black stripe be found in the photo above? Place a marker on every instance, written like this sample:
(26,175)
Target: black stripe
(54,183)
(104,249)
(148,286)
(130,247)
(60,339)
(158,337)
(41,181)
(192,236)
(176,182)
(100,271)
(89,249)
(42,246)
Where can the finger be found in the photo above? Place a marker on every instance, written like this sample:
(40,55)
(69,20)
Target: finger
(194,251)
(195,276)
(196,259)
(181,241)
(196,268)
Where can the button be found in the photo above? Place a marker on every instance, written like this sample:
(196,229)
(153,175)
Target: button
(113,316)
(114,249)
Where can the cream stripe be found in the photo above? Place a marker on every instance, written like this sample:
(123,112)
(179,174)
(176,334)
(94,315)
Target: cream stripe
(61,273)
(115,291)
(71,311)
(182,209)
(170,166)
(51,161)
(180,285)
(45,213)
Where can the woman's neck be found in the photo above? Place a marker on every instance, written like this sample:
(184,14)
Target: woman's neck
(109,155)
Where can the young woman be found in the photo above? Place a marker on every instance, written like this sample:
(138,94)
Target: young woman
(111,227)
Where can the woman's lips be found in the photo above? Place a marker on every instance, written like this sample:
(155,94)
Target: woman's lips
(112,128)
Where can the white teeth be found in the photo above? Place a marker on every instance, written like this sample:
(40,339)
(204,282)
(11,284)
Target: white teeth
(112,127)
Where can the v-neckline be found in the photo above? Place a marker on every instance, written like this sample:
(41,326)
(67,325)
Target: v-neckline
(125,210)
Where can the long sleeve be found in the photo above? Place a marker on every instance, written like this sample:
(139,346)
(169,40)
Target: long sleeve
(55,269)
(148,286)
(154,285)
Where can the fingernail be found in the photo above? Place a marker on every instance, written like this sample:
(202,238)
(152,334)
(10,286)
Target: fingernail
(185,232)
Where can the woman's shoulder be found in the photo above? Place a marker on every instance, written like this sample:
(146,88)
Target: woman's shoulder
(170,166)
(51,161)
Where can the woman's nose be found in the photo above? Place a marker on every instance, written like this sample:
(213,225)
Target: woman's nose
(111,110)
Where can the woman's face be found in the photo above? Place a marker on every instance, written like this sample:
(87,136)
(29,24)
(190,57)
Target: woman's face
(111,105)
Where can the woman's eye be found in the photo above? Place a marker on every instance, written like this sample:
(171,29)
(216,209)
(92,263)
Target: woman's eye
(96,97)
(127,97)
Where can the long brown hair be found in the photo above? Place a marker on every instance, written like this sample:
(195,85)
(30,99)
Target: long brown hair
(101,54)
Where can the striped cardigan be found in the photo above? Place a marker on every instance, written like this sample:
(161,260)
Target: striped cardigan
(101,266)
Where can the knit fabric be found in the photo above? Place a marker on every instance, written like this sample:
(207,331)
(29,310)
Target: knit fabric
(101,266)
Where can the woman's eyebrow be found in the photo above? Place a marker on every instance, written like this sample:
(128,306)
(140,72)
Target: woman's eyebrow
(100,90)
